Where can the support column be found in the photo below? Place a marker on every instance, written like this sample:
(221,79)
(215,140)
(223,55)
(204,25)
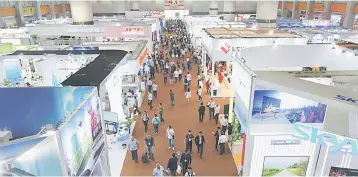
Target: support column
(63,9)
(229,11)
(52,9)
(295,12)
(349,16)
(283,8)
(266,14)
(19,13)
(134,6)
(38,9)
(214,8)
(327,10)
(82,13)
(309,10)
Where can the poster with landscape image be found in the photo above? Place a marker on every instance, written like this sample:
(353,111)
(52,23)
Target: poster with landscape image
(285,166)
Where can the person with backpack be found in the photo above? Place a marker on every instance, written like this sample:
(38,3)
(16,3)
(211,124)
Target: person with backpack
(156,121)
(173,165)
(160,112)
(145,119)
(189,172)
(149,144)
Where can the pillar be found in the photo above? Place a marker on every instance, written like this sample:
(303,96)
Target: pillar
(229,11)
(349,16)
(266,14)
(214,8)
(52,9)
(283,9)
(19,13)
(134,6)
(38,9)
(63,9)
(82,13)
(327,10)
(295,12)
(309,10)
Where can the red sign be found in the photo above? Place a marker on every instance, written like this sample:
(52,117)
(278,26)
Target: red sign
(134,29)
(225,48)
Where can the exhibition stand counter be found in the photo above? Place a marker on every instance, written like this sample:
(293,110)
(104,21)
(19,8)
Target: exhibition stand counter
(277,111)
(69,142)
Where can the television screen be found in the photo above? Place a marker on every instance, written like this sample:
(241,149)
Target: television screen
(270,105)
(285,166)
(336,171)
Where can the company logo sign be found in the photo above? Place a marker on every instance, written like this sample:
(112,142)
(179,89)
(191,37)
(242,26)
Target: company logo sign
(344,98)
(336,142)
(134,30)
(225,48)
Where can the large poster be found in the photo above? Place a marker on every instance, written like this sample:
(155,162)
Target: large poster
(12,71)
(285,166)
(82,138)
(275,107)
(36,157)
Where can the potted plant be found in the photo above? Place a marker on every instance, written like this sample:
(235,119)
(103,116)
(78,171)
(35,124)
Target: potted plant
(6,83)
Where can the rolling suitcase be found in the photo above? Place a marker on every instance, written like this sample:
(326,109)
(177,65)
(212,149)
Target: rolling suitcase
(145,157)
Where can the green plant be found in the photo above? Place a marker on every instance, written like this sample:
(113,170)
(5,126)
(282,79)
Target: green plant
(6,83)
(128,122)
(236,129)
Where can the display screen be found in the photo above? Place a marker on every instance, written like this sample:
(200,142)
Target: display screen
(275,107)
(285,166)
(336,171)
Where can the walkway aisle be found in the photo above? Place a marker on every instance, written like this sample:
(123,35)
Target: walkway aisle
(182,118)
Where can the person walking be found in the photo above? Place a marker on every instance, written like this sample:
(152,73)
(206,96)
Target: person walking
(172,98)
(224,124)
(222,142)
(155,89)
(173,165)
(211,105)
(149,85)
(149,144)
(176,76)
(189,141)
(158,171)
(156,122)
(150,100)
(188,94)
(133,147)
(170,136)
(180,76)
(160,112)
(217,112)
(200,91)
(145,119)
(186,83)
(185,161)
(135,106)
(201,112)
(189,172)
(200,141)
(188,77)
(217,134)
(165,76)
(171,77)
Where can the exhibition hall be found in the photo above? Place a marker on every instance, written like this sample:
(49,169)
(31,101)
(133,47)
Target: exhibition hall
(234,88)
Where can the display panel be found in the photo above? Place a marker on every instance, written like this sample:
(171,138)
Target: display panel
(82,138)
(336,171)
(83,48)
(285,166)
(12,71)
(271,106)
(36,157)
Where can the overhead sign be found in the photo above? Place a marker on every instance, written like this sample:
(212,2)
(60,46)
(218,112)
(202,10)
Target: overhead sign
(28,11)
(86,30)
(348,99)
(335,142)
(285,142)
(143,56)
(133,31)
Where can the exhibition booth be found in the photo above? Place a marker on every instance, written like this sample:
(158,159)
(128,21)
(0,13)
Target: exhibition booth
(221,44)
(279,112)
(327,36)
(65,139)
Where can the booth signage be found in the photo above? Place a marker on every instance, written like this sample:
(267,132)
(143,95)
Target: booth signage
(336,142)
(348,99)
(86,30)
(285,142)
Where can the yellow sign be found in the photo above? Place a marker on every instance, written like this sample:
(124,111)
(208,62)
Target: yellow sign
(28,11)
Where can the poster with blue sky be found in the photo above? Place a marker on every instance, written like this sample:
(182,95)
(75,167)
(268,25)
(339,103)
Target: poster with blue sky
(25,110)
(12,71)
(82,138)
(275,107)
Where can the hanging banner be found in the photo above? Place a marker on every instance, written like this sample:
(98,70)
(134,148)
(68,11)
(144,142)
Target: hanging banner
(45,9)
(6,12)
(28,11)
(57,8)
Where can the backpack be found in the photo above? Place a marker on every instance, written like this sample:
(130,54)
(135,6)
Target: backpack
(145,157)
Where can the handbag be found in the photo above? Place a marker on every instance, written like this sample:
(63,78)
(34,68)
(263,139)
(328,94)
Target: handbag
(179,169)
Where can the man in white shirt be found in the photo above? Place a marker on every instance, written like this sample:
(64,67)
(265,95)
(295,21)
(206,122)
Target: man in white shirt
(170,136)
(155,90)
(176,76)
(217,112)
(150,100)
(188,77)
(180,72)
(224,124)
(222,142)
(211,105)
(149,84)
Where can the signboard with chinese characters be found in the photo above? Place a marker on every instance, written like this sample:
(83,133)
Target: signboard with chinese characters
(133,30)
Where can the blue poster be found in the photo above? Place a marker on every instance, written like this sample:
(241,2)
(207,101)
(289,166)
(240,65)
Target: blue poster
(274,107)
(82,138)
(12,70)
(241,111)
(25,110)
(36,157)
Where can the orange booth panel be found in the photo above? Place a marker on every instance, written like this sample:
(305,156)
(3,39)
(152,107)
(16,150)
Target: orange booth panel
(6,12)
(57,8)
(67,7)
(356,9)
(289,5)
(280,5)
(45,9)
(338,7)
(318,7)
(302,6)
